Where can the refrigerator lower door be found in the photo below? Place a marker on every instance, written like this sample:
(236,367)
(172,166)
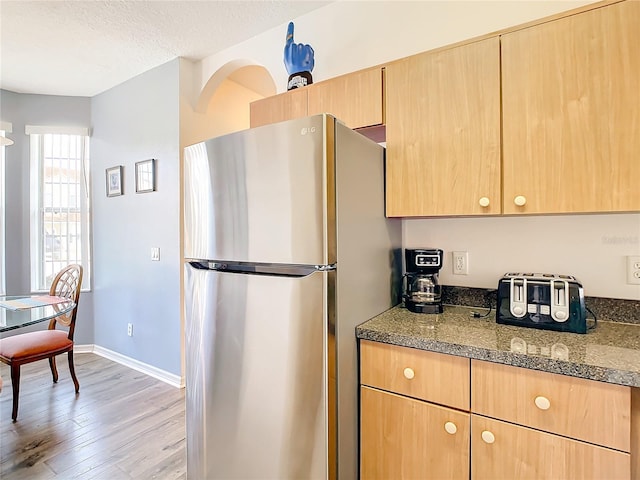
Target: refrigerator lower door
(256,381)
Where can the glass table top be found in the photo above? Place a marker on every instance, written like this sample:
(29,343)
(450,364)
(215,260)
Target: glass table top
(29,310)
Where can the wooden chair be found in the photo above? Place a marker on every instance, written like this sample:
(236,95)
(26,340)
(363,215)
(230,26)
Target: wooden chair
(30,347)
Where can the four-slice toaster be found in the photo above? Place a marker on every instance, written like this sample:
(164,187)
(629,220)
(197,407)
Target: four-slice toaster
(542,300)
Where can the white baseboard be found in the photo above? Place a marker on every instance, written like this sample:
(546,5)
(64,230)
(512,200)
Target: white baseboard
(170,378)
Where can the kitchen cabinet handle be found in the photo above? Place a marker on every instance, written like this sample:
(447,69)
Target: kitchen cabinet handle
(409,373)
(542,403)
(484,202)
(520,200)
(450,427)
(488,437)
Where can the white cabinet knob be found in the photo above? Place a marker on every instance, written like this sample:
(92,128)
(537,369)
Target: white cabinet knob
(488,437)
(520,200)
(409,373)
(484,202)
(450,427)
(542,403)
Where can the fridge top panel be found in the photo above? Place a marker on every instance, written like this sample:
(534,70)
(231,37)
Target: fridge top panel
(259,195)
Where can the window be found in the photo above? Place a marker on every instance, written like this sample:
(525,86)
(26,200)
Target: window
(59,205)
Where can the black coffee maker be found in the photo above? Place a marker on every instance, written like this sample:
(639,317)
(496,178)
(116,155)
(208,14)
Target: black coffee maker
(421,291)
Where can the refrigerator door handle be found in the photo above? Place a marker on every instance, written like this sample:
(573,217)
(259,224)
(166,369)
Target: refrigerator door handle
(325,268)
(275,269)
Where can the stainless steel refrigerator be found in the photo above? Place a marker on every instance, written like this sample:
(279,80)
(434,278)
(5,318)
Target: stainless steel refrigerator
(286,250)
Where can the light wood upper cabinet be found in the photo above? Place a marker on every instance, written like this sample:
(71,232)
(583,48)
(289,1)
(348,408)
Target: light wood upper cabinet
(443,132)
(278,108)
(571,97)
(505,451)
(356,98)
(404,438)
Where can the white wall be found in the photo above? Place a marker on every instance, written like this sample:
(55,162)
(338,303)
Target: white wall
(590,247)
(227,110)
(351,35)
(348,36)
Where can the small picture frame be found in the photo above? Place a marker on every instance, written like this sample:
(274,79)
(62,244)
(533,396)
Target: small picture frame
(146,176)
(114,181)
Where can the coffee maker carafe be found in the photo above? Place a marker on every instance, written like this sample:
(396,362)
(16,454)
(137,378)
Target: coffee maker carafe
(421,291)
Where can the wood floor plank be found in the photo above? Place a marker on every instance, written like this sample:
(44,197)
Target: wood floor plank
(122,425)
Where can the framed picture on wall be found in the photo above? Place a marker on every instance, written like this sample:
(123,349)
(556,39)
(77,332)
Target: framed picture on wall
(114,181)
(146,176)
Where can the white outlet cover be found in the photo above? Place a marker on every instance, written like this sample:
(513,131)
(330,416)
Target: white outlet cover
(633,269)
(460,263)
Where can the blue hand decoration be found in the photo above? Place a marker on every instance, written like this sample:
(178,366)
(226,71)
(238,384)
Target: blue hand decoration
(298,58)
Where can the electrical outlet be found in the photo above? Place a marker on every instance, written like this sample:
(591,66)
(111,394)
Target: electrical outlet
(460,263)
(155,254)
(633,269)
(130,329)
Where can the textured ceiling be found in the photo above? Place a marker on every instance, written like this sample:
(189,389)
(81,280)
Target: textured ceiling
(82,48)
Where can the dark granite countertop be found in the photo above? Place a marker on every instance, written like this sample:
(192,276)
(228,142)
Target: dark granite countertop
(609,353)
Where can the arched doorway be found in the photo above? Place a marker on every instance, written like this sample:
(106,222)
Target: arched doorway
(225,99)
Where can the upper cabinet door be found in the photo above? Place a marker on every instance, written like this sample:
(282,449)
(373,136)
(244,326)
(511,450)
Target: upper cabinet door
(285,106)
(443,132)
(571,117)
(355,99)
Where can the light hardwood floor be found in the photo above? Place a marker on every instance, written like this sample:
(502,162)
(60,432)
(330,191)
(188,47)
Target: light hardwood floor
(122,425)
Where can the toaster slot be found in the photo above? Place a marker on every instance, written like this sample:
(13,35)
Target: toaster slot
(518,297)
(560,300)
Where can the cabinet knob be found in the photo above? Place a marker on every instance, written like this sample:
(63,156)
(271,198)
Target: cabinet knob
(409,373)
(520,200)
(488,437)
(450,427)
(542,403)
(484,202)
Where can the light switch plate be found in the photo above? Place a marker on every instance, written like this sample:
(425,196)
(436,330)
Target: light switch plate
(155,254)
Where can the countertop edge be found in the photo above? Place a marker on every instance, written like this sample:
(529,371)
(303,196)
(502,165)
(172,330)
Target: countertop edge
(573,369)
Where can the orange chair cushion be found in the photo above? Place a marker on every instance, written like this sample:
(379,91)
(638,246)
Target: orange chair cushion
(33,344)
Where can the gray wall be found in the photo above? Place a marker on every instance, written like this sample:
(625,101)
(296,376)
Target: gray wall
(135,121)
(21,110)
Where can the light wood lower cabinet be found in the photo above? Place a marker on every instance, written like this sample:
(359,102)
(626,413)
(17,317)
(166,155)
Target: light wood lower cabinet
(502,450)
(520,424)
(593,412)
(404,438)
(436,378)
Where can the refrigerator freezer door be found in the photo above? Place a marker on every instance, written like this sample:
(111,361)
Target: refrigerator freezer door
(256,382)
(258,195)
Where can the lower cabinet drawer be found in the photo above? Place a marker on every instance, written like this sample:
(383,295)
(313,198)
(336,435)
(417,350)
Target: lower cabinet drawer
(434,377)
(587,410)
(500,450)
(404,438)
